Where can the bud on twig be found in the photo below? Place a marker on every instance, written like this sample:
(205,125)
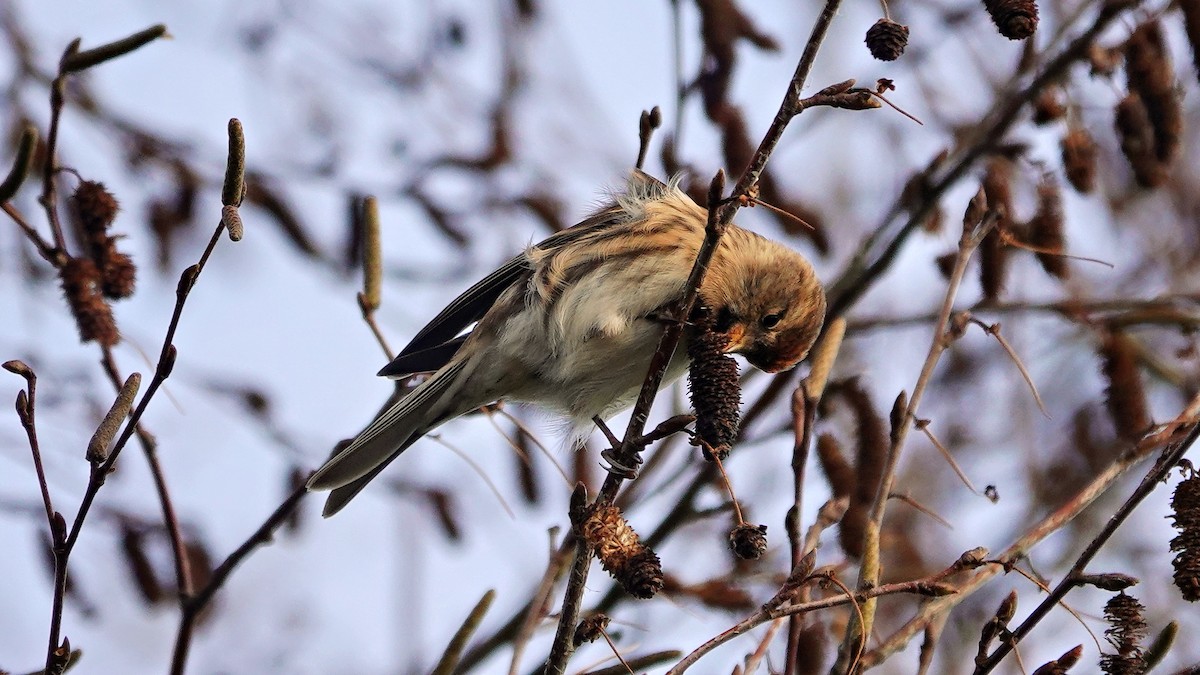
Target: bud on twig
(75,61)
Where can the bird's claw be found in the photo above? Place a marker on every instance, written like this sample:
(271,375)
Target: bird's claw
(618,467)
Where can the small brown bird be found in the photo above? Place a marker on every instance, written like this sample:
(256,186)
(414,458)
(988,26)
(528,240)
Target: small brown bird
(570,324)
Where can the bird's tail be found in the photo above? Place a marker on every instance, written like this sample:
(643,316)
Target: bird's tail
(401,425)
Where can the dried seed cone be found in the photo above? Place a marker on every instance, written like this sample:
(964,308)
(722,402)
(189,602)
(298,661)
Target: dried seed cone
(993,254)
(748,542)
(1046,229)
(887,39)
(1015,19)
(1048,107)
(715,393)
(1125,396)
(93,317)
(119,275)
(590,629)
(1137,141)
(1125,633)
(1185,508)
(1150,73)
(96,208)
(1079,160)
(621,553)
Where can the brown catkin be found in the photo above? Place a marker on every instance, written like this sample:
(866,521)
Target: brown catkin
(837,468)
(713,386)
(119,275)
(872,435)
(1191,23)
(1149,72)
(1079,159)
(1137,141)
(1125,395)
(93,317)
(993,254)
(1126,630)
(1185,511)
(1048,107)
(1046,228)
(887,39)
(1015,19)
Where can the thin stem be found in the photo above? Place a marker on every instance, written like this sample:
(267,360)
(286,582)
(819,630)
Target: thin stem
(49,196)
(804,415)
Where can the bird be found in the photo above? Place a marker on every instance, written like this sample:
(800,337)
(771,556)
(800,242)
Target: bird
(571,323)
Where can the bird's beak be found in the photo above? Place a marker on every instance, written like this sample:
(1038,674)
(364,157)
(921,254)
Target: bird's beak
(737,339)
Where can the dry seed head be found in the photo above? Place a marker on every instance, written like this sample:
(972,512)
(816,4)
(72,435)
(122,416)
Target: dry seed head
(993,254)
(1185,511)
(1137,141)
(714,389)
(591,628)
(1103,60)
(887,40)
(93,317)
(621,553)
(1048,107)
(1125,633)
(1150,73)
(1079,159)
(95,208)
(748,542)
(1046,228)
(1125,396)
(119,275)
(1015,19)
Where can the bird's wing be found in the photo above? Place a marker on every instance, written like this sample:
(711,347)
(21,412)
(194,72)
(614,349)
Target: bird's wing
(436,343)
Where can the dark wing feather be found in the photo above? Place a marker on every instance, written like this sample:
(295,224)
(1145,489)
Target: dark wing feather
(424,360)
(438,338)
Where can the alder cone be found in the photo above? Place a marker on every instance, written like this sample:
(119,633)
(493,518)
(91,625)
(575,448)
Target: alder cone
(887,39)
(1015,19)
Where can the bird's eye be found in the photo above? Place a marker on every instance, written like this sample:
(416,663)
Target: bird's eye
(770,321)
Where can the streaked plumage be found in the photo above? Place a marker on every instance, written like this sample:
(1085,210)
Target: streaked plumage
(570,323)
